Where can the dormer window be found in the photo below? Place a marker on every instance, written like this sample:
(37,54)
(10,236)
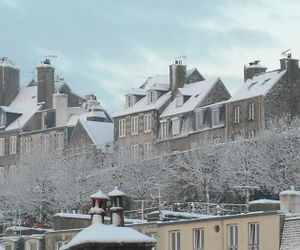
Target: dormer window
(130,99)
(179,100)
(151,96)
(2,119)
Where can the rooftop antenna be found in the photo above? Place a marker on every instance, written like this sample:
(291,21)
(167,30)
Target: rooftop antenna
(285,53)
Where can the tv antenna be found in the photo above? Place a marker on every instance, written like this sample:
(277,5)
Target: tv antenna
(285,53)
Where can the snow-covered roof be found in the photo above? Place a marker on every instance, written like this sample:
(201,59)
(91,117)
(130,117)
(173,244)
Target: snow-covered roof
(116,192)
(11,110)
(160,86)
(105,234)
(99,132)
(158,79)
(143,105)
(25,101)
(264,201)
(259,85)
(137,91)
(290,192)
(197,92)
(165,214)
(7,63)
(99,195)
(291,234)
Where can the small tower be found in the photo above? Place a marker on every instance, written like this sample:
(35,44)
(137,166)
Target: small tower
(98,209)
(117,211)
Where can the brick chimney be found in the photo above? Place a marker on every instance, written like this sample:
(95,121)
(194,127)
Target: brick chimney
(291,65)
(177,72)
(252,69)
(45,81)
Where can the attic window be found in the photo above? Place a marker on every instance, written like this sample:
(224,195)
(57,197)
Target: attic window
(251,85)
(151,96)
(179,100)
(265,81)
(129,101)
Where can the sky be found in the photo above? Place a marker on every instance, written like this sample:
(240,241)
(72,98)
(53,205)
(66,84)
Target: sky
(109,47)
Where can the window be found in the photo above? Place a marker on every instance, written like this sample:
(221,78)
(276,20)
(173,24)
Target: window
(179,100)
(12,145)
(215,117)
(45,142)
(253,236)
(251,111)
(163,129)
(2,119)
(134,151)
(59,244)
(251,134)
(26,144)
(60,140)
(232,237)
(134,125)
(122,128)
(147,150)
(147,123)
(2,146)
(130,101)
(175,126)
(174,240)
(237,115)
(199,119)
(151,96)
(31,245)
(199,239)
(8,246)
(44,120)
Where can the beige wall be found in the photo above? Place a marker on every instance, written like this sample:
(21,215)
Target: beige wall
(269,228)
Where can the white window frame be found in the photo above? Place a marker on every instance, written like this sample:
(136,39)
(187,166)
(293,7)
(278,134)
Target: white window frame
(199,119)
(147,123)
(130,99)
(198,236)
(13,145)
(26,144)
(60,140)
(175,126)
(179,100)
(237,114)
(215,120)
(2,119)
(232,230)
(147,150)
(45,142)
(174,245)
(2,146)
(251,111)
(29,242)
(164,129)
(253,236)
(134,152)
(44,125)
(59,244)
(151,96)
(9,244)
(134,125)
(122,128)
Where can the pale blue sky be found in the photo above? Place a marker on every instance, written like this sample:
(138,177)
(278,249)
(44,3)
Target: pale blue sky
(108,47)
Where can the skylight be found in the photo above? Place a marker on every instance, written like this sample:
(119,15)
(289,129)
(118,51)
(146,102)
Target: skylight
(265,81)
(251,85)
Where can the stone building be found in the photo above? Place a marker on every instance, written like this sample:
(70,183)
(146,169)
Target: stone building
(137,125)
(45,114)
(264,95)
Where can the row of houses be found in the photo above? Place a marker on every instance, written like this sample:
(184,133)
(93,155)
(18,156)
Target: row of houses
(45,114)
(171,112)
(270,224)
(174,112)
